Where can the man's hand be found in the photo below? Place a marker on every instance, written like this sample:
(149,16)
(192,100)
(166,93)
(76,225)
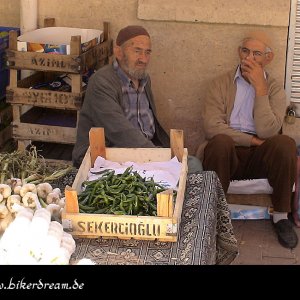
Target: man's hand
(254,73)
(255,141)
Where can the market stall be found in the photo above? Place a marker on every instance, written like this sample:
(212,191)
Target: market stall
(190,226)
(205,234)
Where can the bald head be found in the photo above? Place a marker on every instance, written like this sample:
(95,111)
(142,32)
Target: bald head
(260,36)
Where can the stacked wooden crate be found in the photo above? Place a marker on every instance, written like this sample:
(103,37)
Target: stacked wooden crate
(59,109)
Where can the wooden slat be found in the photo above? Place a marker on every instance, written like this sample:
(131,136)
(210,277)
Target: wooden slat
(81,175)
(44,133)
(137,227)
(45,98)
(16,113)
(23,144)
(71,200)
(40,97)
(101,52)
(13,36)
(181,187)
(43,62)
(13,75)
(177,143)
(165,204)
(106,30)
(139,155)
(73,64)
(75,45)
(97,144)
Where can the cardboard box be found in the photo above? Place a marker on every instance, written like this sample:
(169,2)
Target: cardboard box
(56,40)
(249,212)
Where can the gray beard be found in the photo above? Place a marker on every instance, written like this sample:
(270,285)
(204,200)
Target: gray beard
(136,74)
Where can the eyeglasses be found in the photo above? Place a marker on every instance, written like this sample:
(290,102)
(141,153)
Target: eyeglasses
(258,54)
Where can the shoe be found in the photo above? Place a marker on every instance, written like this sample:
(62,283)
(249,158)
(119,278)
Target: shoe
(287,237)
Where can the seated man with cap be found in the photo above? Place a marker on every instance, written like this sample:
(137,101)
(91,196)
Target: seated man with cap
(119,99)
(242,116)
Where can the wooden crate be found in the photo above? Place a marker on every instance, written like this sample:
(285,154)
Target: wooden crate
(164,227)
(38,124)
(48,66)
(75,63)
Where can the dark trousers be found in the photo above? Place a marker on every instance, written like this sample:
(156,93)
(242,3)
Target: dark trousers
(275,160)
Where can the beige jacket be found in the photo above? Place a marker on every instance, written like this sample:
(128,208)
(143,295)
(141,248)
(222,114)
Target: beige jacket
(268,111)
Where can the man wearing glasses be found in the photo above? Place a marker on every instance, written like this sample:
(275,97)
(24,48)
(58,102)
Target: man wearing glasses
(119,98)
(242,117)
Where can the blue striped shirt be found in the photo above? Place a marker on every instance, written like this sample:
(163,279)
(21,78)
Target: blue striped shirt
(135,103)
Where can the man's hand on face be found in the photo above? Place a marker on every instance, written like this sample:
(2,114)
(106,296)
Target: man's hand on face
(254,73)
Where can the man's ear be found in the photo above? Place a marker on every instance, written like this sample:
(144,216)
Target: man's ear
(269,57)
(118,52)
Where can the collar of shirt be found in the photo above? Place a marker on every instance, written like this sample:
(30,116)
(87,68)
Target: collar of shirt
(238,74)
(126,81)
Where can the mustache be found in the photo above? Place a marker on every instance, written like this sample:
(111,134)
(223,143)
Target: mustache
(140,63)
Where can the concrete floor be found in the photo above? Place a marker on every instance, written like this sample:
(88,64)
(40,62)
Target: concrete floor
(258,244)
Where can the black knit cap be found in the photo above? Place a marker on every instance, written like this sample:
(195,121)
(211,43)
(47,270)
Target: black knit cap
(130,32)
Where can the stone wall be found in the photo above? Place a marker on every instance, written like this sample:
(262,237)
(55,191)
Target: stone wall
(192,40)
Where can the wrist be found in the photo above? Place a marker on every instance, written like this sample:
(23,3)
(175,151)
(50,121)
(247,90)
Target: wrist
(261,90)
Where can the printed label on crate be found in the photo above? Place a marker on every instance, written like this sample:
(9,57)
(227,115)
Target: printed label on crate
(118,226)
(47,133)
(61,63)
(53,98)
(42,131)
(52,62)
